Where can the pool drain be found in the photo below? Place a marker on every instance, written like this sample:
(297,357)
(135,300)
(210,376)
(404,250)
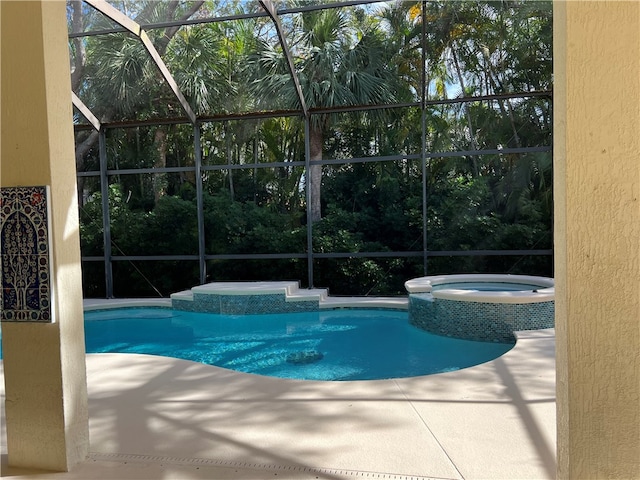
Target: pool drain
(303,358)
(317,472)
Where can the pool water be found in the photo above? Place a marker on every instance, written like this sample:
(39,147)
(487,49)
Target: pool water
(326,345)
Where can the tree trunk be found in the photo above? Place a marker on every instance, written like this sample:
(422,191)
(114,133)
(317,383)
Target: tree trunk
(170,32)
(81,150)
(498,87)
(159,185)
(472,137)
(315,171)
(80,57)
(227,143)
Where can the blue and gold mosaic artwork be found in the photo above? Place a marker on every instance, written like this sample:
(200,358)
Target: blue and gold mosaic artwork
(24,239)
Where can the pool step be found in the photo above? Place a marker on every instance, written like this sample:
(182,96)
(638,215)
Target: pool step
(248,298)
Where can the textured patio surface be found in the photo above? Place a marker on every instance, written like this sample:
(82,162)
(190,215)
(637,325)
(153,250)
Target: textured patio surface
(162,418)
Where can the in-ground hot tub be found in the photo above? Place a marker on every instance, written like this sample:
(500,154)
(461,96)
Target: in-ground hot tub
(486,307)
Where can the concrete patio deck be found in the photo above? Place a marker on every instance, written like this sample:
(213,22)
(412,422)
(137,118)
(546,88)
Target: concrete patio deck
(163,418)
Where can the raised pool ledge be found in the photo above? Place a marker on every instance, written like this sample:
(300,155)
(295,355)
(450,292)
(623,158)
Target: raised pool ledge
(239,298)
(485,307)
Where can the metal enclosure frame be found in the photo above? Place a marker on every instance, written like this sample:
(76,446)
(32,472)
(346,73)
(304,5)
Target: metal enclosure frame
(270,11)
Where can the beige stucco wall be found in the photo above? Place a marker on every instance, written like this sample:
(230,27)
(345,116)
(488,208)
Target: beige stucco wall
(44,364)
(597,237)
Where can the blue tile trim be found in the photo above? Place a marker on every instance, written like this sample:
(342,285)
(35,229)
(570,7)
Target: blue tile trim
(243,304)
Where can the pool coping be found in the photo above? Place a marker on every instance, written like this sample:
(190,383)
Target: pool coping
(545,293)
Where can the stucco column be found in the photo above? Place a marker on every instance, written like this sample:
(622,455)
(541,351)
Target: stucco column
(44,363)
(597,237)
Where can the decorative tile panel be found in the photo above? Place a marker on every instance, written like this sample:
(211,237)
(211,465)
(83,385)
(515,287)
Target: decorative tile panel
(25,246)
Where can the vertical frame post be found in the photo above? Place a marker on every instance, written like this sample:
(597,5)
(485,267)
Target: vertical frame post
(307,167)
(423,153)
(106,221)
(199,202)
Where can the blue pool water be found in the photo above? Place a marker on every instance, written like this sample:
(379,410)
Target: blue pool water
(326,345)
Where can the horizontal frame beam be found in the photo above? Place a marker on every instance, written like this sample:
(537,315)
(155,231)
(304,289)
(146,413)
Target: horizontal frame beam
(548,94)
(346,161)
(284,256)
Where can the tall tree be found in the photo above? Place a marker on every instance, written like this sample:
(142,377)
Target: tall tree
(339,60)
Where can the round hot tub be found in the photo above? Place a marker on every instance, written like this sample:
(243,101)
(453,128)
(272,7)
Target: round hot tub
(486,307)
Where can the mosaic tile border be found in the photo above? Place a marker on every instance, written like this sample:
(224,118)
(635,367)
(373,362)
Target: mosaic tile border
(480,321)
(243,304)
(25,247)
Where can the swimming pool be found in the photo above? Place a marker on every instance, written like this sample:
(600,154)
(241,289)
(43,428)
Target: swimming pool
(344,344)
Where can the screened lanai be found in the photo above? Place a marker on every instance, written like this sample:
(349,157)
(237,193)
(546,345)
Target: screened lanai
(346,145)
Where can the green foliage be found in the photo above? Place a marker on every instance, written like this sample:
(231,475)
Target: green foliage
(244,227)
(343,56)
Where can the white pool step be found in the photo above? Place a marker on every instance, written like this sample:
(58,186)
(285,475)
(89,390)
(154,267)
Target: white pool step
(308,295)
(318,297)
(291,290)
(184,295)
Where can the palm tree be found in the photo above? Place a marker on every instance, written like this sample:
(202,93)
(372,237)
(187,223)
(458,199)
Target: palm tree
(339,60)
(114,74)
